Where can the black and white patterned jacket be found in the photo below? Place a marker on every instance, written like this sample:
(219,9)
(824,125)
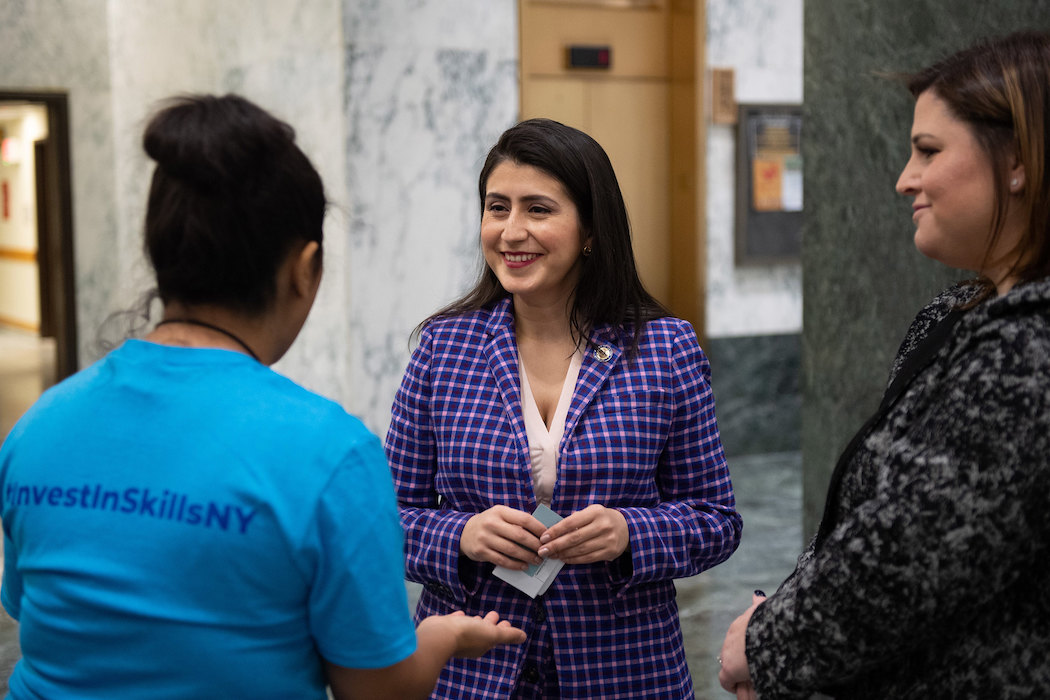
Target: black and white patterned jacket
(933,579)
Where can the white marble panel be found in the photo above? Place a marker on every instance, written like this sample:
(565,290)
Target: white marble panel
(286,57)
(762,41)
(427,95)
(488,24)
(157,49)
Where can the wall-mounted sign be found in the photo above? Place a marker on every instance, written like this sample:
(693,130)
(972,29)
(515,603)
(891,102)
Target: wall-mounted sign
(769,184)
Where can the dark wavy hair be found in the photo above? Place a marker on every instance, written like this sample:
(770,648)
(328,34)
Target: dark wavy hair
(230,196)
(1001,89)
(609,289)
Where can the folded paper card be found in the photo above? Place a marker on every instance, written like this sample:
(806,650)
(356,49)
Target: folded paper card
(536,579)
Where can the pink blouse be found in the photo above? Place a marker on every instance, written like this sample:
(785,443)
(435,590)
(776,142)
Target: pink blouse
(544,442)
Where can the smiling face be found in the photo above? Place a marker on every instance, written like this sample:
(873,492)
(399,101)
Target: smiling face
(530,234)
(952,181)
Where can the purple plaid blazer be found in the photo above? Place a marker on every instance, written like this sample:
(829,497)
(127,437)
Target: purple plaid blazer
(640,436)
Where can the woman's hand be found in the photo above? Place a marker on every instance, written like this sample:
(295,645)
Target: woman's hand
(734,676)
(504,536)
(593,534)
(745,691)
(438,638)
(476,635)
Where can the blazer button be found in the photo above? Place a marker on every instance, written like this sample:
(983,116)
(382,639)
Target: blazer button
(531,674)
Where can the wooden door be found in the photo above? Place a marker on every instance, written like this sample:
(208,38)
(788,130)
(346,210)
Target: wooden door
(642,109)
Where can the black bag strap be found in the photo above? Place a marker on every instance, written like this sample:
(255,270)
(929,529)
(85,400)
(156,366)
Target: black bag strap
(913,364)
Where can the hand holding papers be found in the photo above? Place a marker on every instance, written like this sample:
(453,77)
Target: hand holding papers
(536,579)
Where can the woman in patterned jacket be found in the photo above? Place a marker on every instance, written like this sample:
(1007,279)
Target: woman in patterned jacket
(927,576)
(559,382)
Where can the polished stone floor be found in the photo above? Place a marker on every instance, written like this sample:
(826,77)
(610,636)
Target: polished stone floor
(769,497)
(26,369)
(768,490)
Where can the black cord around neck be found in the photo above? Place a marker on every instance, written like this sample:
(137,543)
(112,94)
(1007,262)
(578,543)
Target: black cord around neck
(217,329)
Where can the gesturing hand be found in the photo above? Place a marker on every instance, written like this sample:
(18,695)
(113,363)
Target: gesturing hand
(593,534)
(503,536)
(477,635)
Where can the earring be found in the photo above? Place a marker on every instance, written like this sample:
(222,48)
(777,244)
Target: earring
(586,250)
(1013,183)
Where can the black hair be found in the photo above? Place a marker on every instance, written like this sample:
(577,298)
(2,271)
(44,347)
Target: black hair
(230,196)
(609,289)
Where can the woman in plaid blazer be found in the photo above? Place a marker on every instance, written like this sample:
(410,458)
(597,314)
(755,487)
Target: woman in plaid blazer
(559,381)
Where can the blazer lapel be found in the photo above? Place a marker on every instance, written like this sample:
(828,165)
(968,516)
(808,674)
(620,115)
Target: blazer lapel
(599,360)
(501,354)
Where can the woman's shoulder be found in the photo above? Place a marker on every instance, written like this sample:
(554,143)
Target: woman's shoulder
(467,322)
(937,308)
(1026,302)
(929,316)
(666,330)
(308,422)
(1019,320)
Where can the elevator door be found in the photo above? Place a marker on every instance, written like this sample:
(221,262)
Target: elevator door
(642,109)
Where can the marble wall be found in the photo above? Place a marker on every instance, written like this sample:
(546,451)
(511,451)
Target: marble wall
(395,102)
(115,60)
(864,280)
(755,380)
(286,57)
(430,85)
(754,313)
(761,40)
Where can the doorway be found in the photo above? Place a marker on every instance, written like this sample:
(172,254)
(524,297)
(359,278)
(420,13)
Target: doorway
(639,99)
(38,339)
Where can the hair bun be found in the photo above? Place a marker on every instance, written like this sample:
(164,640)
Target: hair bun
(212,143)
(230,197)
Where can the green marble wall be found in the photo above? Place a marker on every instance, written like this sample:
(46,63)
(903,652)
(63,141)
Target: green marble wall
(863,280)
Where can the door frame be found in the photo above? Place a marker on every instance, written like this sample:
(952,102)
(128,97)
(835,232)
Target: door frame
(55,258)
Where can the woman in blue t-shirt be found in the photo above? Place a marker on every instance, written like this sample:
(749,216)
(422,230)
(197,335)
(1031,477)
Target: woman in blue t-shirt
(181,521)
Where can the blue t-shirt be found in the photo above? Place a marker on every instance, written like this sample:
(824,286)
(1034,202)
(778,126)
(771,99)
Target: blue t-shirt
(187,523)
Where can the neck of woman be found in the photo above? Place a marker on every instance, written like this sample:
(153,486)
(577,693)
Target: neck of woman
(547,324)
(211,327)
